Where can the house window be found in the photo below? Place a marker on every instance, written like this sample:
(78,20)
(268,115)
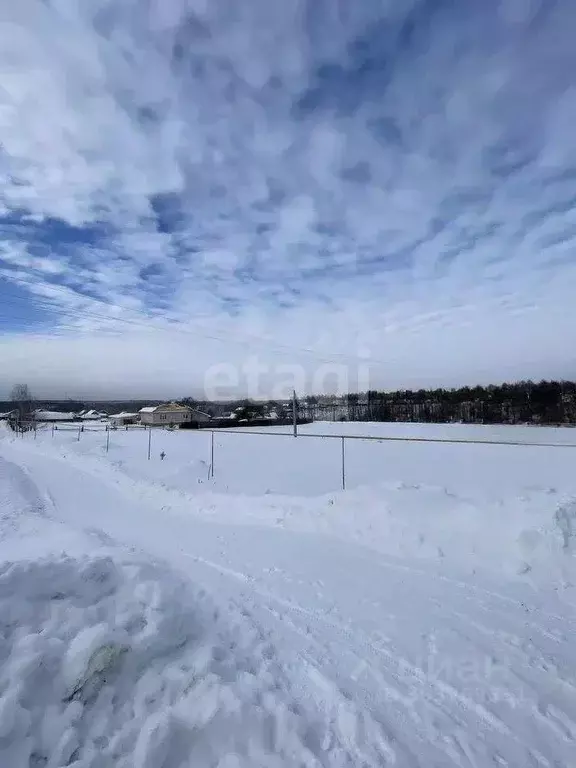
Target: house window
(162,417)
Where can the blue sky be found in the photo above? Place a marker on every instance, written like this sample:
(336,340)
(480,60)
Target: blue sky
(194,185)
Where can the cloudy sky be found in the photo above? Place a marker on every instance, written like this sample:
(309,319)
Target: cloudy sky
(213,193)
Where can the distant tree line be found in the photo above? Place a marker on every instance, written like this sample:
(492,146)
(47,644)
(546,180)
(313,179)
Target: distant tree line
(544,402)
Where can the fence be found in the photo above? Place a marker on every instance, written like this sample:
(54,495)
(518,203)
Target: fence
(80,429)
(389,439)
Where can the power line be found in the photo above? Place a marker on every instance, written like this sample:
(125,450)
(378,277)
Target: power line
(49,305)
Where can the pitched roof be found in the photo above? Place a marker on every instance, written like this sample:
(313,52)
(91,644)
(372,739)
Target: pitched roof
(91,414)
(165,407)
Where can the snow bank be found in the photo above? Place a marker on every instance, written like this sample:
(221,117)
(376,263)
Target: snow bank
(531,536)
(121,665)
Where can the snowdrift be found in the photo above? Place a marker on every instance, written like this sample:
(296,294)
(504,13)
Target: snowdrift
(530,537)
(121,665)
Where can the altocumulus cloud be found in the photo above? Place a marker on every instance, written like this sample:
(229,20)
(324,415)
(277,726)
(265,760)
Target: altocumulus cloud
(191,182)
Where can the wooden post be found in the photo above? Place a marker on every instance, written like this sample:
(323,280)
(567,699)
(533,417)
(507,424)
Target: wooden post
(149,443)
(107,439)
(212,454)
(52,430)
(343,466)
(294,414)
(79,430)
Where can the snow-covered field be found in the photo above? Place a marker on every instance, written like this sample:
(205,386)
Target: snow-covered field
(154,616)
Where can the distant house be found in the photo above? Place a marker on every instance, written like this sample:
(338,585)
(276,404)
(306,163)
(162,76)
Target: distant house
(41,415)
(91,415)
(171,414)
(8,415)
(123,419)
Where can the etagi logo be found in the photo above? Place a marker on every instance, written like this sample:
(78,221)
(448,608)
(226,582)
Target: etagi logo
(277,381)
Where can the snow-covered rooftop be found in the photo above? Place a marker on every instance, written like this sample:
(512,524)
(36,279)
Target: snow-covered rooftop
(54,415)
(91,414)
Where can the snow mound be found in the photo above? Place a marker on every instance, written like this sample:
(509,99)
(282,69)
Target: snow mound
(121,665)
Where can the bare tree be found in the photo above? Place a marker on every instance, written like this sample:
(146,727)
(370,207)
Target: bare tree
(22,398)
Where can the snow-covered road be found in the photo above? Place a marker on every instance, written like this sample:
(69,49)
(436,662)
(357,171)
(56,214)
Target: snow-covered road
(361,658)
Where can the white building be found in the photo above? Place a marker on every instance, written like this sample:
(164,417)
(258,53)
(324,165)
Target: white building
(123,418)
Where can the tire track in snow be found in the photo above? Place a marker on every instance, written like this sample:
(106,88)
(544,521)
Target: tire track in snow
(355,726)
(551,699)
(430,691)
(404,669)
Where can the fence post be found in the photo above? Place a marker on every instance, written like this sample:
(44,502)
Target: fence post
(107,439)
(343,465)
(52,430)
(149,442)
(294,414)
(79,430)
(212,453)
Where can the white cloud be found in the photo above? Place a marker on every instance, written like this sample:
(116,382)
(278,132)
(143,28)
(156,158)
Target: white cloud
(245,175)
